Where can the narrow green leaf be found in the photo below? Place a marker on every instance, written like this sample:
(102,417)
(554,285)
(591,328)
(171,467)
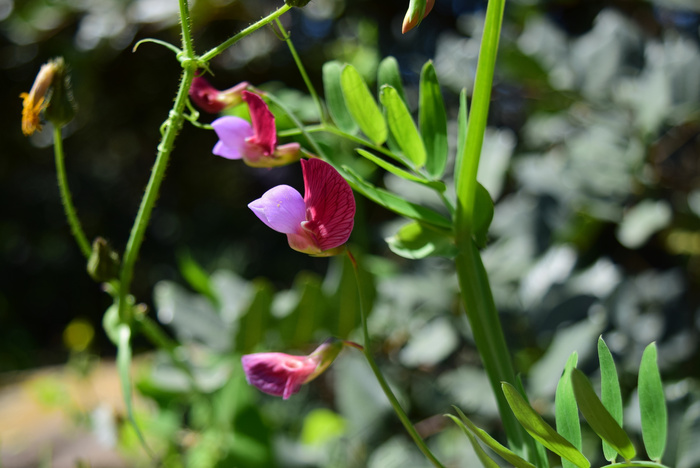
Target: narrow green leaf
(652,405)
(432,120)
(483,215)
(462,118)
(485,460)
(362,106)
(195,275)
(598,417)
(254,324)
(566,411)
(393,202)
(535,451)
(610,394)
(415,240)
(540,430)
(334,97)
(493,444)
(402,126)
(433,184)
(124,369)
(390,74)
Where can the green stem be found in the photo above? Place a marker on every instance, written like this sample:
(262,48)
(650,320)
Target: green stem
(302,70)
(66,198)
(378,373)
(171,128)
(253,27)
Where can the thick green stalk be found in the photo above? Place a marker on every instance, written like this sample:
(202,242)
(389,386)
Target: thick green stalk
(66,198)
(473,281)
(253,27)
(380,377)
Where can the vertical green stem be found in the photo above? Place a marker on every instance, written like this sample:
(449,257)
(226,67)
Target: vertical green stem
(473,281)
(378,373)
(66,198)
(302,70)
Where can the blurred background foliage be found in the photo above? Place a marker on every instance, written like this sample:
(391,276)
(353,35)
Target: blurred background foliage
(591,159)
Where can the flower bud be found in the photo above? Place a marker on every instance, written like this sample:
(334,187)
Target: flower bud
(103,264)
(417,10)
(50,94)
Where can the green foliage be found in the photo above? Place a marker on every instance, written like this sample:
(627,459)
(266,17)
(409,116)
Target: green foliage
(334,97)
(566,411)
(610,394)
(362,106)
(652,405)
(432,119)
(415,240)
(389,73)
(402,127)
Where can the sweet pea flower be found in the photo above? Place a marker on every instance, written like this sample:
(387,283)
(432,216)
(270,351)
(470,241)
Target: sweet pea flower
(211,100)
(281,374)
(318,224)
(256,144)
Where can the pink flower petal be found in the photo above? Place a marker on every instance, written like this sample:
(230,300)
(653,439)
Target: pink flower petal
(205,95)
(278,374)
(232,132)
(263,122)
(280,208)
(330,204)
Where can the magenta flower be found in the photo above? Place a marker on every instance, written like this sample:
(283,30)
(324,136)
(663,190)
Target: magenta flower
(318,224)
(256,144)
(281,374)
(211,99)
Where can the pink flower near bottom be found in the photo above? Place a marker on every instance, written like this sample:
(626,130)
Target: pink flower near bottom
(281,374)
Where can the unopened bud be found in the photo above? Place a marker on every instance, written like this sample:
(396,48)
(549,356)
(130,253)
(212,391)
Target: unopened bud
(417,10)
(50,94)
(103,264)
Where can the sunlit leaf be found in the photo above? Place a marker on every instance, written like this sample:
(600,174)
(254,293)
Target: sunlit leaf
(322,425)
(415,240)
(390,74)
(362,106)
(395,203)
(535,450)
(610,394)
(566,411)
(485,460)
(432,121)
(493,444)
(539,429)
(402,126)
(433,184)
(334,97)
(598,417)
(652,405)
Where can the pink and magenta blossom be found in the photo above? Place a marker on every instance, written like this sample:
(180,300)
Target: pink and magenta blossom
(318,224)
(211,100)
(281,374)
(255,142)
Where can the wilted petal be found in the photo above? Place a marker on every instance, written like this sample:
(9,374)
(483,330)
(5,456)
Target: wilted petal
(232,132)
(281,208)
(263,121)
(205,96)
(330,204)
(278,374)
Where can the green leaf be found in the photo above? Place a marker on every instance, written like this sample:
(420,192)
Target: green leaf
(195,275)
(598,417)
(483,215)
(432,120)
(390,74)
(254,324)
(297,328)
(415,240)
(362,106)
(493,444)
(566,411)
(462,118)
(433,184)
(652,405)
(485,460)
(534,450)
(610,394)
(334,97)
(540,430)
(393,202)
(402,126)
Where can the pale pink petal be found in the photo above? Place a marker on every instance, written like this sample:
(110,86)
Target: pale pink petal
(330,204)
(280,208)
(232,132)
(263,122)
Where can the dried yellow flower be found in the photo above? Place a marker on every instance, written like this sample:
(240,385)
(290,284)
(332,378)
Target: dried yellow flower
(35,101)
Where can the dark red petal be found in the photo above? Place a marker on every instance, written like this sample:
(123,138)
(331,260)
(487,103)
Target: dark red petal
(263,122)
(205,96)
(330,204)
